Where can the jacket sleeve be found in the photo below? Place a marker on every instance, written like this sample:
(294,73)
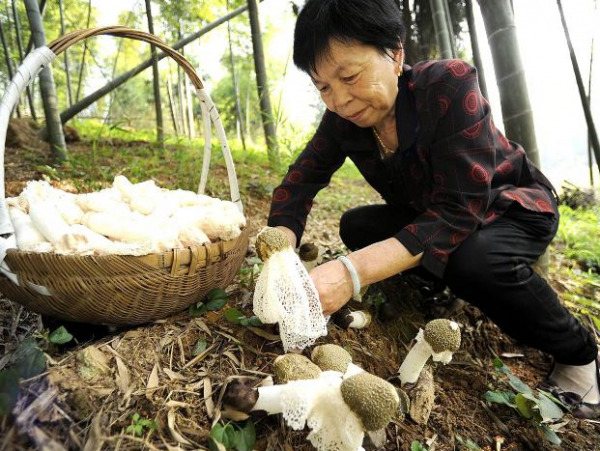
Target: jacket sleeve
(311,172)
(462,160)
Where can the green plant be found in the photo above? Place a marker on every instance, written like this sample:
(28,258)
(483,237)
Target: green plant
(467,444)
(139,424)
(537,406)
(236,316)
(418,446)
(232,436)
(214,300)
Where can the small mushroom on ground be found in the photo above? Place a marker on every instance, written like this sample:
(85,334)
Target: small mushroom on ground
(285,293)
(330,357)
(440,340)
(347,319)
(291,367)
(309,255)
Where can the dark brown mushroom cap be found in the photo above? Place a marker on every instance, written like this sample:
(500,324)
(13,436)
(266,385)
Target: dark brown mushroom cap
(292,367)
(269,241)
(331,357)
(442,335)
(372,399)
(308,252)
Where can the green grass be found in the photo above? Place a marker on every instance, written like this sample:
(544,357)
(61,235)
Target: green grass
(578,271)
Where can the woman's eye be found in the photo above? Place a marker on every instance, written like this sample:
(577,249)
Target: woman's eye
(323,89)
(350,79)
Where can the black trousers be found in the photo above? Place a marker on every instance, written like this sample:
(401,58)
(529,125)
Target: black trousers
(492,270)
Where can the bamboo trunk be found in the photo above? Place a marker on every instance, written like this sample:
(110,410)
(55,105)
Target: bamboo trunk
(66,54)
(82,65)
(236,91)
(440,23)
(47,88)
(593,135)
(21,56)
(155,82)
(475,46)
(514,97)
(266,111)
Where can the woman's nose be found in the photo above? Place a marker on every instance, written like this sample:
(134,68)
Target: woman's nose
(341,97)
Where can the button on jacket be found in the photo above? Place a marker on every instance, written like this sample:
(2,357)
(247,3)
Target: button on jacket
(453,167)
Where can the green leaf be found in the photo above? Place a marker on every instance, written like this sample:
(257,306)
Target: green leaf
(129,429)
(254,321)
(224,435)
(417,446)
(197,309)
(234,315)
(138,429)
(468,443)
(501,397)
(200,347)
(28,359)
(500,366)
(60,336)
(214,445)
(550,435)
(518,384)
(9,391)
(555,400)
(216,293)
(216,304)
(525,406)
(246,437)
(548,409)
(136,417)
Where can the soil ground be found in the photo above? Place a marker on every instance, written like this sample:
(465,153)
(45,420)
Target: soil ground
(91,390)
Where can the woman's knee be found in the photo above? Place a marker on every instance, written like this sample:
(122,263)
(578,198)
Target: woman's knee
(353,228)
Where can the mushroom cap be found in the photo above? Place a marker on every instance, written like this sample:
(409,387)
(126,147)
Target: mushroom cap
(291,367)
(269,241)
(442,335)
(308,252)
(372,399)
(331,357)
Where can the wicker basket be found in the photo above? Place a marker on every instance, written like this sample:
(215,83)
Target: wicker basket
(114,289)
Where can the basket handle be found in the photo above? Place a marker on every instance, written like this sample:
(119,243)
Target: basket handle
(43,56)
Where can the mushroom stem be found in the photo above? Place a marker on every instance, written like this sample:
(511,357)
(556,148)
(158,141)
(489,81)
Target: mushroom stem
(269,399)
(415,360)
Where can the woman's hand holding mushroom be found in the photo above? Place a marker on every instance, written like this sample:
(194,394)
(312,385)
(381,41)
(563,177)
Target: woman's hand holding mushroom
(333,284)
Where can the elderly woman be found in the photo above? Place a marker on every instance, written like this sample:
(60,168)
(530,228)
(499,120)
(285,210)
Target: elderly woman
(460,200)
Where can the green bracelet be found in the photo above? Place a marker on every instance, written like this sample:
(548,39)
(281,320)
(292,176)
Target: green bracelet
(353,275)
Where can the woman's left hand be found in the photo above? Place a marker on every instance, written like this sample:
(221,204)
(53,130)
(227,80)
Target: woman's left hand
(334,285)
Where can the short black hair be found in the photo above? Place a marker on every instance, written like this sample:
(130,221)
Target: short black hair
(370,22)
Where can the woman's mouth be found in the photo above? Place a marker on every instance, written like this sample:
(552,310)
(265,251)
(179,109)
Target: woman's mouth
(356,116)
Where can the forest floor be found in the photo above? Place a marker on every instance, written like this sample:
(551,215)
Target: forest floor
(173,372)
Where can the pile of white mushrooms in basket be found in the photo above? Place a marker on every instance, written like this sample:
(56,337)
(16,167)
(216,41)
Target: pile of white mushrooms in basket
(125,219)
(337,400)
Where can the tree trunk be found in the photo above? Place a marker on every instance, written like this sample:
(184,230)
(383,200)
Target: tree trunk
(8,61)
(172,106)
(42,9)
(450,29)
(21,56)
(82,64)
(516,109)
(155,82)
(47,88)
(411,55)
(438,13)
(266,111)
(236,90)
(66,53)
(593,135)
(475,46)
(589,99)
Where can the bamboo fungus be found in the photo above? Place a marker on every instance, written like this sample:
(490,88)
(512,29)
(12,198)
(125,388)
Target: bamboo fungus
(47,220)
(28,237)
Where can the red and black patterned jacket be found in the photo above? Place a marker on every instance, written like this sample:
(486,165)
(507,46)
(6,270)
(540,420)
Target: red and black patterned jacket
(453,166)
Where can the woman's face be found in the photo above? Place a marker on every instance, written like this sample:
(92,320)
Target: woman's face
(357,82)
